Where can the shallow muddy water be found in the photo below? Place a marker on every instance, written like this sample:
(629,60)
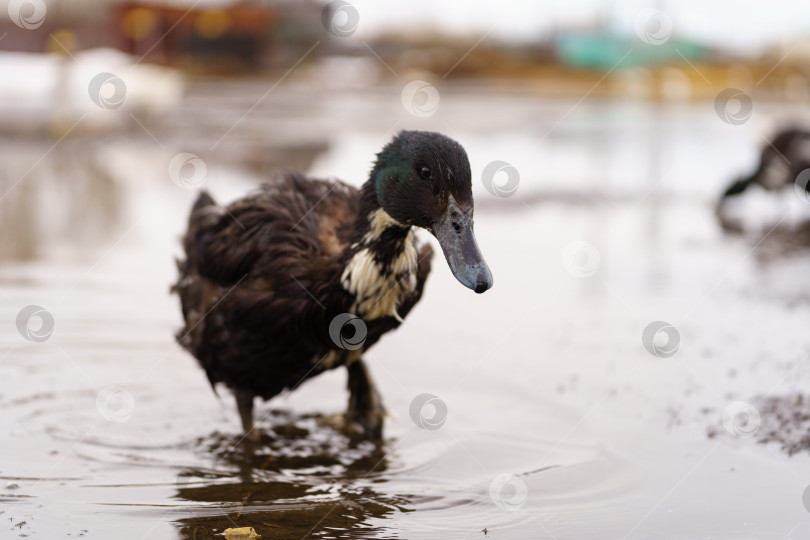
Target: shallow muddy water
(559,424)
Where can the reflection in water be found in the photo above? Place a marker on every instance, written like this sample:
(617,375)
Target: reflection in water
(301,480)
(81,193)
(63,194)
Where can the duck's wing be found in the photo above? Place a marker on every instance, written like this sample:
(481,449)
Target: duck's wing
(270,259)
(292,221)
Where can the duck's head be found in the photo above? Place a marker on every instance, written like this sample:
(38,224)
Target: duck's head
(422,179)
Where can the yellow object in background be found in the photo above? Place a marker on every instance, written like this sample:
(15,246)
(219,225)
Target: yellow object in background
(212,23)
(62,42)
(138,23)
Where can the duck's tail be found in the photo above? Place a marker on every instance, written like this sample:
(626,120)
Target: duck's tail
(195,292)
(202,201)
(204,214)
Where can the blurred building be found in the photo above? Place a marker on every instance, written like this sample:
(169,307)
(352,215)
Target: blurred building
(230,35)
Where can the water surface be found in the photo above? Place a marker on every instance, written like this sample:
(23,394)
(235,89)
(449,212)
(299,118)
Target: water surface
(110,430)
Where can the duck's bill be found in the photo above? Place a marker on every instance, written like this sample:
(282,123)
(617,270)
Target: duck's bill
(455,234)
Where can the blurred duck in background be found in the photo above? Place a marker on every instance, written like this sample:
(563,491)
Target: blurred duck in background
(776,193)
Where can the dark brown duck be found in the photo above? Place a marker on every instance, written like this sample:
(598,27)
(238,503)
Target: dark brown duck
(305,275)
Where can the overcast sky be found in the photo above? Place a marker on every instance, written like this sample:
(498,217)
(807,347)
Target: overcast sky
(738,24)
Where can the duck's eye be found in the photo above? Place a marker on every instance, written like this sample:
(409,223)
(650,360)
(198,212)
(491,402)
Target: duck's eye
(425,172)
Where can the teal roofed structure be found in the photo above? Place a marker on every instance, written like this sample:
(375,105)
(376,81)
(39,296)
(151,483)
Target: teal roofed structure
(600,50)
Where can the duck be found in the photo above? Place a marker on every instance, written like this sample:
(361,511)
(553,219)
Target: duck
(761,198)
(305,275)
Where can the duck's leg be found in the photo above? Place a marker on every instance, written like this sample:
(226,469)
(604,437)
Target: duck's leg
(366,412)
(244,402)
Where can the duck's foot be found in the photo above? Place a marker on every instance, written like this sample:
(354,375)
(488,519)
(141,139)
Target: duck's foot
(366,414)
(351,428)
(339,423)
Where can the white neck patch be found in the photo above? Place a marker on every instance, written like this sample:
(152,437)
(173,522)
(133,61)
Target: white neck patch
(380,220)
(376,294)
